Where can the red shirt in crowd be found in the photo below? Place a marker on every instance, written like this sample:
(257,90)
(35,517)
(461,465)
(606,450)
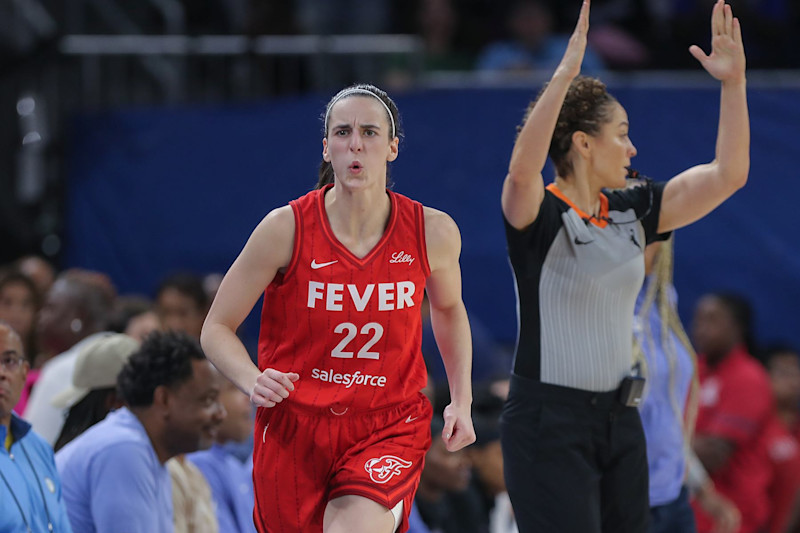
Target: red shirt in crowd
(783,453)
(736,405)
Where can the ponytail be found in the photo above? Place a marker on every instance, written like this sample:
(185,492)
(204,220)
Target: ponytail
(658,294)
(325,174)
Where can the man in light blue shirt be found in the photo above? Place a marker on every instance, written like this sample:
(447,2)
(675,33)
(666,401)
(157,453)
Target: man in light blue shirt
(114,473)
(30,490)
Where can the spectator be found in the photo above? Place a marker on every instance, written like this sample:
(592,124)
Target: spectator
(19,303)
(439,25)
(39,270)
(532,45)
(193,510)
(74,312)
(332,17)
(415,522)
(668,360)
(780,436)
(620,28)
(231,480)
(182,304)
(444,37)
(669,406)
(735,404)
(783,367)
(30,492)
(486,456)
(134,316)
(341,17)
(444,500)
(171,396)
(94,384)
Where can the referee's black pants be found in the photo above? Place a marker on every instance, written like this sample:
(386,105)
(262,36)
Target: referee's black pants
(574,461)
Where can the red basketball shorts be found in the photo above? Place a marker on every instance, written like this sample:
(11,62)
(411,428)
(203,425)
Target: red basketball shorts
(305,457)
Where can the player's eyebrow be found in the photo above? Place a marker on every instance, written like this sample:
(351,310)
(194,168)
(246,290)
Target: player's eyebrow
(363,126)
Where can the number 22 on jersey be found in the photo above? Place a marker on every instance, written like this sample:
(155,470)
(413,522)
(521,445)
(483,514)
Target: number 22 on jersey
(351,330)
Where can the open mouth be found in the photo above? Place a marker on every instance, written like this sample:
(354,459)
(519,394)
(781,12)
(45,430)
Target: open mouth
(355,167)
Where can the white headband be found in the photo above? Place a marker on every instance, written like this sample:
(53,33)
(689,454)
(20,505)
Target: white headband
(357,90)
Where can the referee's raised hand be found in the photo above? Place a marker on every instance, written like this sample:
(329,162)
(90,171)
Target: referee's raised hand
(573,55)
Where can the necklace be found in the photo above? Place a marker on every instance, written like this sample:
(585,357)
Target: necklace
(38,484)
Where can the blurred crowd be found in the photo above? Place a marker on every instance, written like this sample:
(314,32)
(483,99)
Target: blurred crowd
(518,35)
(457,34)
(120,381)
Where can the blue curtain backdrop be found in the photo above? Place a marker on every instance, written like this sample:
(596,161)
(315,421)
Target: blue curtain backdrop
(153,191)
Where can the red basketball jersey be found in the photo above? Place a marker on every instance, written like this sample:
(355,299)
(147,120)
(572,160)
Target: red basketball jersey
(350,327)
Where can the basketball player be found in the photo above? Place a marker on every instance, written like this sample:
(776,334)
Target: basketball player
(342,428)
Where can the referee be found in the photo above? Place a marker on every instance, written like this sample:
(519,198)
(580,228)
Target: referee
(573,445)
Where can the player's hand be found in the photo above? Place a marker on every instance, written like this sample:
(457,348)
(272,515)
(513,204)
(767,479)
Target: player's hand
(727,60)
(573,56)
(458,431)
(272,387)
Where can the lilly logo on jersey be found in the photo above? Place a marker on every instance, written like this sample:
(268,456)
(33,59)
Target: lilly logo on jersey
(401,257)
(382,469)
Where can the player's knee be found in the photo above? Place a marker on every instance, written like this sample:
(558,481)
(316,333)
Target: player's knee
(355,514)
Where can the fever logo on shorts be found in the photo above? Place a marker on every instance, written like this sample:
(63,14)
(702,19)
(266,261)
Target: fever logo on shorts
(384,468)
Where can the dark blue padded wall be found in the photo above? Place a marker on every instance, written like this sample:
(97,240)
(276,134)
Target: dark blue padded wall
(157,190)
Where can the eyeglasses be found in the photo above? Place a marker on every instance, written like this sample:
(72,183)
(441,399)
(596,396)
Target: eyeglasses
(11,362)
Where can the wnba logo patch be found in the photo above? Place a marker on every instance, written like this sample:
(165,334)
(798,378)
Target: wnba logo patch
(385,468)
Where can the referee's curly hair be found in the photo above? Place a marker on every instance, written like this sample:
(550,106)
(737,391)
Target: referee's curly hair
(164,358)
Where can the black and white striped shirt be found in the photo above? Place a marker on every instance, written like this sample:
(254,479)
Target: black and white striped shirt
(576,281)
